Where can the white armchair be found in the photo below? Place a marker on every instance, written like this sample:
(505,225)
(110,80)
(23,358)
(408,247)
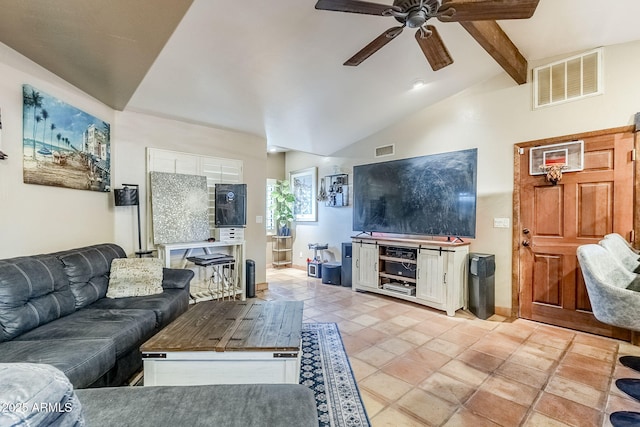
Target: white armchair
(614,302)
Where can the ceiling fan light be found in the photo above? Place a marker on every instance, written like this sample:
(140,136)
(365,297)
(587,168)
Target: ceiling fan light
(417,19)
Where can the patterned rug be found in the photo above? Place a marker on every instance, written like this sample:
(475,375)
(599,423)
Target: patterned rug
(325,369)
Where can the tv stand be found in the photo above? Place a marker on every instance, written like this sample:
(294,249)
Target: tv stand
(427,272)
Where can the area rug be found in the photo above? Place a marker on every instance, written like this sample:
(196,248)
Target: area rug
(325,369)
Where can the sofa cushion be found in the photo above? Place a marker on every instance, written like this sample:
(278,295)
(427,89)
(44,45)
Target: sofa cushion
(88,271)
(127,328)
(236,405)
(135,277)
(167,306)
(83,361)
(33,291)
(37,395)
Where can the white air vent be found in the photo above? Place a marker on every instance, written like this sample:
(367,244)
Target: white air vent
(386,150)
(568,80)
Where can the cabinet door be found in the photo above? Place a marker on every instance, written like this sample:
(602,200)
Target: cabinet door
(366,264)
(430,280)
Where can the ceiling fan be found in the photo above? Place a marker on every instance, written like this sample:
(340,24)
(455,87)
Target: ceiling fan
(476,16)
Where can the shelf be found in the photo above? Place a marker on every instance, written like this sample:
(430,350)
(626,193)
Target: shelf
(281,263)
(281,250)
(401,278)
(394,259)
(281,237)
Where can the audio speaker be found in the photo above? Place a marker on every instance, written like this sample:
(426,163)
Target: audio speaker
(231,202)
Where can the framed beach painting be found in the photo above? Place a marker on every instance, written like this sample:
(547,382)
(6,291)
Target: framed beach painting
(63,146)
(303,185)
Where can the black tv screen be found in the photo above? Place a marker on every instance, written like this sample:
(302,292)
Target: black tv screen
(431,195)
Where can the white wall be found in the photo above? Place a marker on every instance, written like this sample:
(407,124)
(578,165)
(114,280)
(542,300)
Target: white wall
(36,218)
(492,116)
(40,219)
(136,132)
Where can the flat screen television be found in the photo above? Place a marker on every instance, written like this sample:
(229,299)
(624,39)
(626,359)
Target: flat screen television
(431,195)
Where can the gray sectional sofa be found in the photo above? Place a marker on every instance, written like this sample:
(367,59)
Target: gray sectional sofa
(40,395)
(61,340)
(53,310)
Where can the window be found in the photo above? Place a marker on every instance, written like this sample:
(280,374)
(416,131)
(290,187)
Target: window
(269,216)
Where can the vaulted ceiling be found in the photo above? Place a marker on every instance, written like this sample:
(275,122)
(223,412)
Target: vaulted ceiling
(274,68)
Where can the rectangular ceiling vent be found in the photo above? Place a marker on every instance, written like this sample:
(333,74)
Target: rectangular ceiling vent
(386,150)
(571,79)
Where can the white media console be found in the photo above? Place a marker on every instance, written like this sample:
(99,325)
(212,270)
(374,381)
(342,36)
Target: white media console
(428,272)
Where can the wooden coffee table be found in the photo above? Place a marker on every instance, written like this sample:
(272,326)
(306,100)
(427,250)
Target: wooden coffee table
(227,342)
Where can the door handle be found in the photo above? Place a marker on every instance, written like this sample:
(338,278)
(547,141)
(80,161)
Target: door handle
(525,243)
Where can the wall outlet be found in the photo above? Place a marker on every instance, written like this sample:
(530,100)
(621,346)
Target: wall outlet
(301,256)
(500,222)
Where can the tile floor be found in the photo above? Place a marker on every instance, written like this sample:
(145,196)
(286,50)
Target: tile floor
(418,367)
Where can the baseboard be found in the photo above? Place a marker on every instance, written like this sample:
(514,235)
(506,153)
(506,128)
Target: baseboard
(503,311)
(262,286)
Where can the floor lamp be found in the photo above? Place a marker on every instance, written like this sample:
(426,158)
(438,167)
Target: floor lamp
(130,197)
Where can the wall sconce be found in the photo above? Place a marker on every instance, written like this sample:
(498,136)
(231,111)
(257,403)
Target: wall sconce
(130,197)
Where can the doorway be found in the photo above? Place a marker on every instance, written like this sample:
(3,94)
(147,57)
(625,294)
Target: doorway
(551,221)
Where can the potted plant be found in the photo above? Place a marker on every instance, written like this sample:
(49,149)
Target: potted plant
(283,211)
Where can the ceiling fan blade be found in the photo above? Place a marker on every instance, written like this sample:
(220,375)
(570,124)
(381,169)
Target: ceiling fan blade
(491,37)
(374,46)
(434,49)
(486,10)
(353,6)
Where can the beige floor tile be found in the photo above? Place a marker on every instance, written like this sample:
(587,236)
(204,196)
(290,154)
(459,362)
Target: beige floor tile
(349,327)
(424,356)
(372,404)
(567,411)
(406,371)
(366,320)
(416,366)
(385,386)
(465,418)
(464,372)
(479,360)
(391,417)
(576,392)
(354,344)
(496,408)
(536,419)
(594,352)
(388,327)
(414,337)
(511,390)
(396,346)
(361,369)
(444,347)
(375,356)
(427,407)
(448,388)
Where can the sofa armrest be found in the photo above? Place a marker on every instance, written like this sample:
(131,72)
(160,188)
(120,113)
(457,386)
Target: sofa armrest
(176,278)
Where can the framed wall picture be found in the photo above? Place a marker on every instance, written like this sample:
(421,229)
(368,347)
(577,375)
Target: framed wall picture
(303,185)
(568,155)
(62,145)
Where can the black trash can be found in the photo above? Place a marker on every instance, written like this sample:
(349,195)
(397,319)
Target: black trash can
(482,283)
(250,275)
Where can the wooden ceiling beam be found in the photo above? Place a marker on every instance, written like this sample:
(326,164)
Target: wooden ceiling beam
(491,37)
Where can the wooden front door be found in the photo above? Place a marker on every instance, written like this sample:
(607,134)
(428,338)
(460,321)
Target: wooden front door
(553,220)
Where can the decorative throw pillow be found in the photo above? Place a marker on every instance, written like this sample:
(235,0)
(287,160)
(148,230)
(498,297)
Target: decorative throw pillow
(135,277)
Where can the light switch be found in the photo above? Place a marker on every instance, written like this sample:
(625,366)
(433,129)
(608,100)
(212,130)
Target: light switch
(500,222)
(258,219)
